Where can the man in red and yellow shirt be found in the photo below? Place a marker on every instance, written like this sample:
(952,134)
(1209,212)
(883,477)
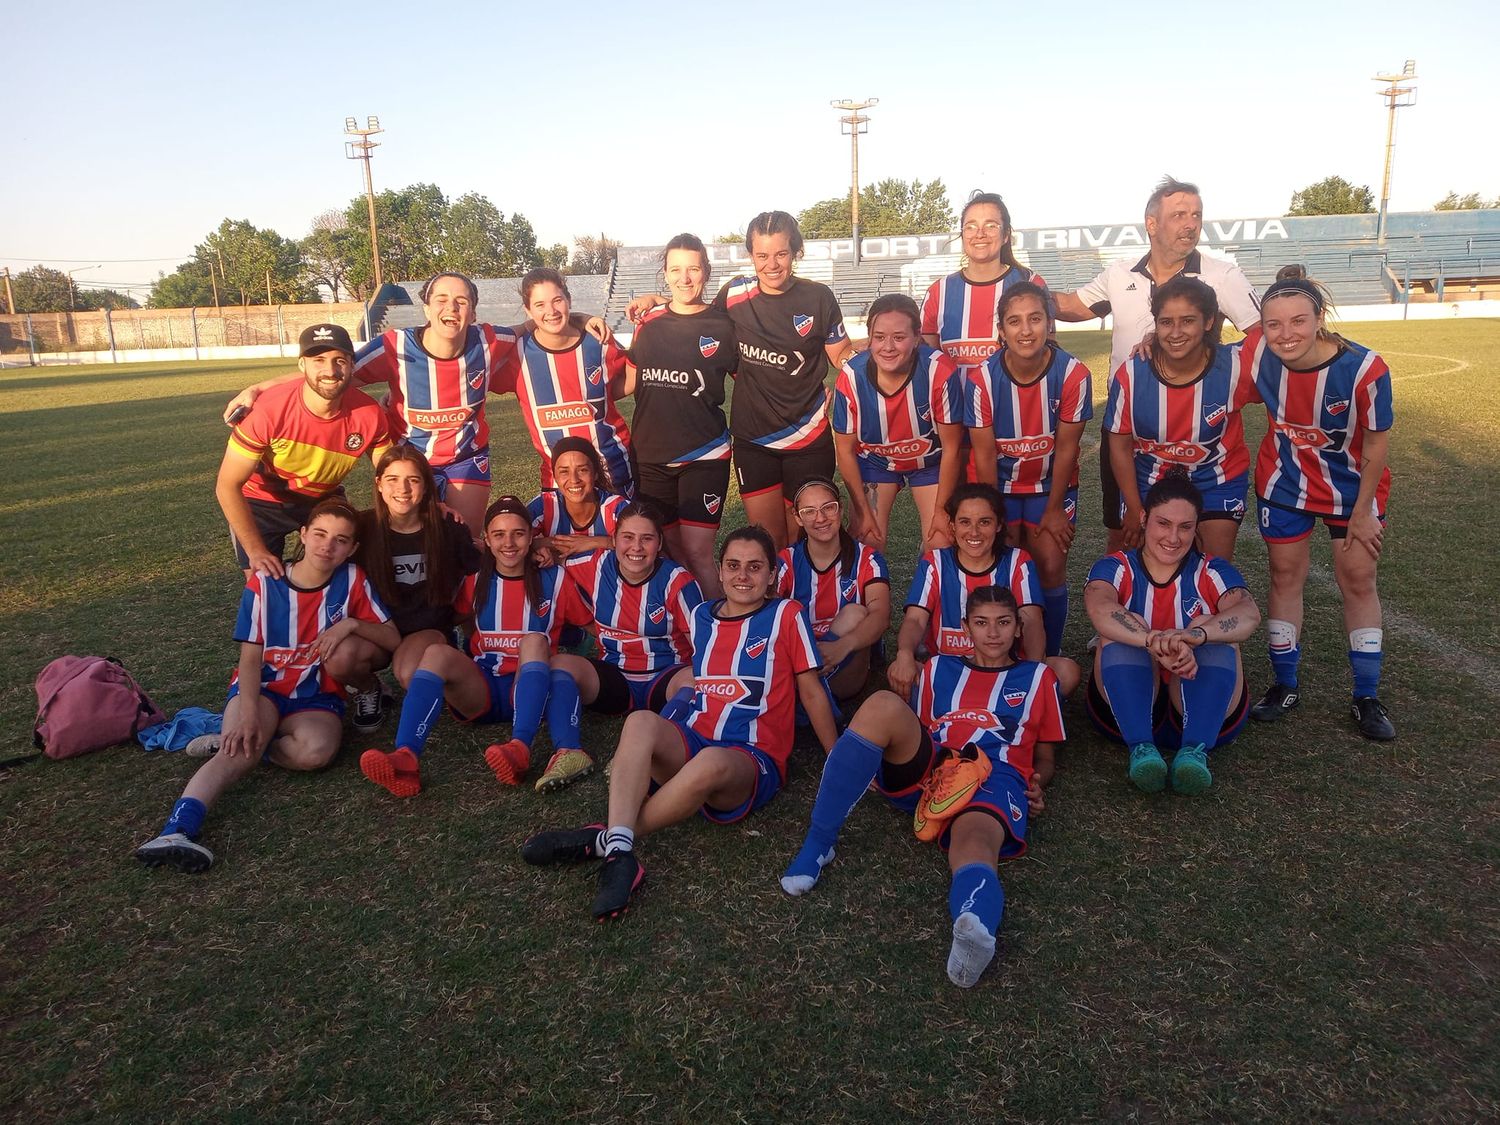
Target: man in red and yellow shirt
(295,447)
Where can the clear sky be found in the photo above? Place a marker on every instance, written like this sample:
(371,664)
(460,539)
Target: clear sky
(134,129)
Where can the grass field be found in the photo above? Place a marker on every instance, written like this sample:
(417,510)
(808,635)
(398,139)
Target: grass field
(1316,938)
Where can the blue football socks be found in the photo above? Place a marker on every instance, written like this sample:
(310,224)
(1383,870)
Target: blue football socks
(420,710)
(530,700)
(976,890)
(1285,652)
(563,712)
(1365,659)
(851,765)
(187,818)
(1130,686)
(1206,697)
(1055,617)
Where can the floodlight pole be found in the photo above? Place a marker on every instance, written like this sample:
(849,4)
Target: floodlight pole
(854,123)
(72,286)
(10,298)
(360,150)
(1396,97)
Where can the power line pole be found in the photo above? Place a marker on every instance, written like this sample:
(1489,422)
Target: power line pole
(10,298)
(1396,97)
(361,150)
(853,123)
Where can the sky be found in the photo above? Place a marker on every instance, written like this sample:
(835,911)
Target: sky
(134,130)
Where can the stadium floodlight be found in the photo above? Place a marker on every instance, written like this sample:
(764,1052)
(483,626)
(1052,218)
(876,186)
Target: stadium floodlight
(1397,96)
(852,124)
(361,150)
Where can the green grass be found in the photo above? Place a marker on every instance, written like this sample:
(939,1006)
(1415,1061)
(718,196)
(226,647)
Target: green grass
(1316,938)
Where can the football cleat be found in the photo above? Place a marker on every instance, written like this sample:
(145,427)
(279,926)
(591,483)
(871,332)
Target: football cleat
(1148,769)
(566,767)
(1373,719)
(177,851)
(619,879)
(949,787)
(509,761)
(397,772)
(1278,700)
(1190,774)
(563,845)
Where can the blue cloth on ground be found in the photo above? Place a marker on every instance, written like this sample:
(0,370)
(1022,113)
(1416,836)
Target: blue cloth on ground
(180,729)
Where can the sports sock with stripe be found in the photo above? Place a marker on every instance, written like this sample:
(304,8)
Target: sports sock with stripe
(1365,658)
(678,706)
(186,817)
(1206,697)
(1055,617)
(976,890)
(563,708)
(1129,685)
(1286,653)
(850,767)
(615,839)
(420,710)
(530,700)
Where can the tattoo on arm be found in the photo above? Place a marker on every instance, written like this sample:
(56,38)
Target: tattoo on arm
(1126,620)
(1229,624)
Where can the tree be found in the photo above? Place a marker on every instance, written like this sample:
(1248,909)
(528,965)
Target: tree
(411,236)
(731,238)
(244,261)
(518,248)
(106,299)
(888,207)
(1332,196)
(554,256)
(326,252)
(593,255)
(43,289)
(479,241)
(1455,202)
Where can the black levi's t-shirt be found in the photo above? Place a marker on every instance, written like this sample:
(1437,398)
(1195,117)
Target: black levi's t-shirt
(779,396)
(680,361)
(411,613)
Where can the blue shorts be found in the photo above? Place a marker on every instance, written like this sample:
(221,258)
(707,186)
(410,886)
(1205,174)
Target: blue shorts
(1027,508)
(620,694)
(767,784)
(1003,796)
(1220,501)
(910,478)
(1166,720)
(471,470)
(502,708)
(286,705)
(1286,525)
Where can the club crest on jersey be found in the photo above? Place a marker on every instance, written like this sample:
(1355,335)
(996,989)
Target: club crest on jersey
(756,647)
(544,608)
(1015,698)
(846,590)
(925,412)
(1070,507)
(354,442)
(1015,812)
(335,615)
(476,380)
(1236,506)
(596,375)
(712,503)
(482,463)
(1215,414)
(802,323)
(1192,609)
(657,614)
(1336,407)
(707,345)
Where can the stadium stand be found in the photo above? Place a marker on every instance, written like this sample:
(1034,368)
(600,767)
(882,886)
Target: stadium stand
(1427,256)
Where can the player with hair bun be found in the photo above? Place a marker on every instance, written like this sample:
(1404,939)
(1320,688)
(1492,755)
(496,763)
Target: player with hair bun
(721,751)
(969,762)
(1167,672)
(1025,409)
(676,366)
(897,421)
(1324,457)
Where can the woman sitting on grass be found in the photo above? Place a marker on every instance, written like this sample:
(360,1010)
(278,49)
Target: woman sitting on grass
(518,610)
(1170,620)
(721,752)
(969,764)
(285,704)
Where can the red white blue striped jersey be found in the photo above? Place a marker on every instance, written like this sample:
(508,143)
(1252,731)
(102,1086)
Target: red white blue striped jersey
(549,514)
(508,615)
(1195,590)
(822,593)
(961,313)
(286,621)
(942,586)
(745,674)
(644,628)
(681,361)
(780,401)
(437,405)
(897,432)
(1025,416)
(1310,457)
(566,394)
(1003,711)
(1196,426)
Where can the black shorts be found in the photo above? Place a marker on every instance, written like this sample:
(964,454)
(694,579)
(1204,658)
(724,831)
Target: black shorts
(691,494)
(1114,519)
(620,695)
(760,469)
(274,522)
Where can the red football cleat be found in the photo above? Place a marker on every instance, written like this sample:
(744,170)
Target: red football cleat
(396,772)
(509,761)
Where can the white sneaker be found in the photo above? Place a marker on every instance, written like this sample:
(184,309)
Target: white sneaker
(175,850)
(204,746)
(973,950)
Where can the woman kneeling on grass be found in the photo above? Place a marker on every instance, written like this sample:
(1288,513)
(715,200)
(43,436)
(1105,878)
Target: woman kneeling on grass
(518,610)
(970,764)
(1170,620)
(285,705)
(721,752)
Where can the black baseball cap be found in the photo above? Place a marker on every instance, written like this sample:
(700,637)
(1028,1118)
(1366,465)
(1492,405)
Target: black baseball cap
(324,338)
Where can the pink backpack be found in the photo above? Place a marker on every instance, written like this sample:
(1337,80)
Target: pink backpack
(87,703)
